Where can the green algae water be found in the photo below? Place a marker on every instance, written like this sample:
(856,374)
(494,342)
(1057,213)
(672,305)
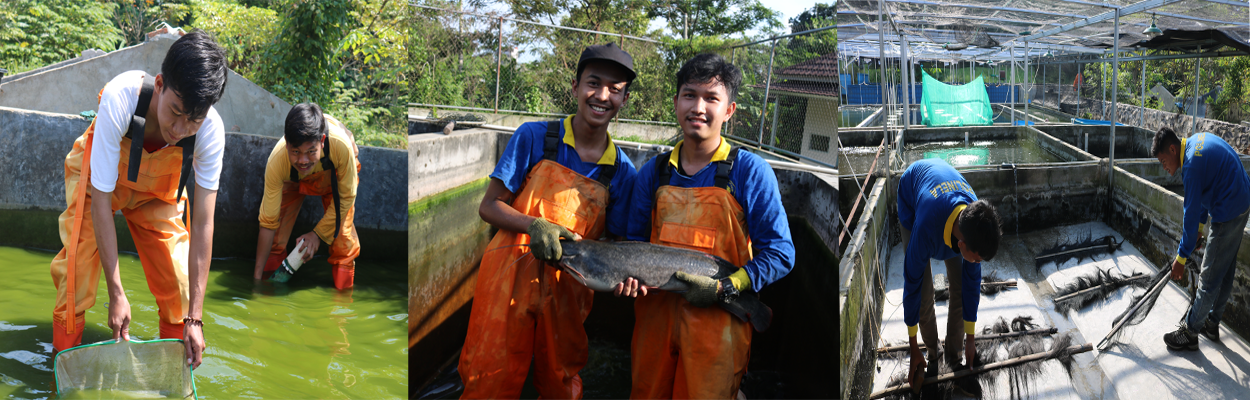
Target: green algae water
(980,152)
(113,394)
(303,339)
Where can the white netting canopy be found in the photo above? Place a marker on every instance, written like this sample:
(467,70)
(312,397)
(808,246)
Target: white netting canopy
(996,30)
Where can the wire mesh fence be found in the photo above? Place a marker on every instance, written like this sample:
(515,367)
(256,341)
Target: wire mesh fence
(788,99)
(505,65)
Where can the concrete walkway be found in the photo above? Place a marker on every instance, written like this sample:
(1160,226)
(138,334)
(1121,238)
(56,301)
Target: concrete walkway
(1139,367)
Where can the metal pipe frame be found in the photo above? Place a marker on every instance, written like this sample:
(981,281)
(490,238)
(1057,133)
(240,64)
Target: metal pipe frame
(1193,127)
(872,37)
(768,82)
(1183,16)
(1115,87)
(980,7)
(1028,96)
(904,68)
(423,105)
(1216,54)
(1128,10)
(535,23)
(1141,112)
(1231,3)
(885,129)
(806,32)
(922,15)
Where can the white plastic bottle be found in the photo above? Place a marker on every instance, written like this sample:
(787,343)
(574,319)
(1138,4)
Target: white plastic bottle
(290,264)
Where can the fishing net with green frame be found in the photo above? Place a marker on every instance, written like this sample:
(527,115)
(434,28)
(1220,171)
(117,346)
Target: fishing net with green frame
(131,369)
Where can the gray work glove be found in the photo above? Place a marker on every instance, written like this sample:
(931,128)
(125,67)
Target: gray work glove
(545,239)
(702,292)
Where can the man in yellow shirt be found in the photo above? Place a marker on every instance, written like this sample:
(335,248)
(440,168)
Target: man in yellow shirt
(315,157)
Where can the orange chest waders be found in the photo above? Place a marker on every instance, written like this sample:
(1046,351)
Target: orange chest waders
(524,310)
(148,197)
(679,350)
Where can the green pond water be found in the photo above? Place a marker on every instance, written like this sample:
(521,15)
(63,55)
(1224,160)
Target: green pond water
(853,116)
(303,339)
(113,394)
(988,152)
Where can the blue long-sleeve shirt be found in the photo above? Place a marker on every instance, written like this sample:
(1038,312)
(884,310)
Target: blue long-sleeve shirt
(754,187)
(525,150)
(1215,184)
(930,195)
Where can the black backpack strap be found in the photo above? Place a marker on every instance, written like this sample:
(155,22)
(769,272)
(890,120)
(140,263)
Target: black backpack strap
(138,121)
(328,165)
(187,175)
(606,173)
(663,174)
(723,168)
(551,142)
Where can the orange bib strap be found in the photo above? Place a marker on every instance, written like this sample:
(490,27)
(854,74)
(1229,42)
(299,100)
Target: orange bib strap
(80,195)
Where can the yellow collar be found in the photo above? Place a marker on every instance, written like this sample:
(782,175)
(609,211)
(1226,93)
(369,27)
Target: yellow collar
(950,224)
(1182,153)
(609,155)
(721,154)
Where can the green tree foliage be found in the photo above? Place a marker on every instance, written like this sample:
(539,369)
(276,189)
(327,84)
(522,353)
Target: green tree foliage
(34,33)
(137,17)
(806,47)
(691,18)
(302,65)
(374,74)
(242,31)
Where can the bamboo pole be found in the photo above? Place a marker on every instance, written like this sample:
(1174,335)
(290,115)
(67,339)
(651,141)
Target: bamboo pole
(986,368)
(1158,287)
(991,336)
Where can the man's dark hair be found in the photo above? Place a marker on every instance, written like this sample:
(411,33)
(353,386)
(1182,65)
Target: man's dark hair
(705,67)
(981,227)
(582,68)
(195,68)
(305,123)
(1163,138)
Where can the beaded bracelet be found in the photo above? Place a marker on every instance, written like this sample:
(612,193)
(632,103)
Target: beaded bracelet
(193,321)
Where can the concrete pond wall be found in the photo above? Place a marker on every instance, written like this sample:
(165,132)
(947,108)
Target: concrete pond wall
(74,86)
(1130,141)
(668,132)
(1237,135)
(447,238)
(33,146)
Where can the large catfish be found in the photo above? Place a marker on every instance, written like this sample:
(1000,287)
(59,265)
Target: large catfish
(602,265)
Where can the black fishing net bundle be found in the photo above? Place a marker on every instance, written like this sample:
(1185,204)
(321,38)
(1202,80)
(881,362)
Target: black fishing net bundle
(1138,309)
(944,294)
(1020,377)
(1077,294)
(1079,249)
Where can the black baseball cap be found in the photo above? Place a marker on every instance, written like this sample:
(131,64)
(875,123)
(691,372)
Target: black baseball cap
(607,52)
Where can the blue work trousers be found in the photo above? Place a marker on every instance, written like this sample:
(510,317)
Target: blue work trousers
(1215,279)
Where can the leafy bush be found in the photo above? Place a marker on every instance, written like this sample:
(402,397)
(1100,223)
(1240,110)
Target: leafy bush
(242,31)
(35,33)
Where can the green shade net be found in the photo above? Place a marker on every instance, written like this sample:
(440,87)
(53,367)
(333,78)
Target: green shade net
(133,369)
(949,105)
(961,157)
